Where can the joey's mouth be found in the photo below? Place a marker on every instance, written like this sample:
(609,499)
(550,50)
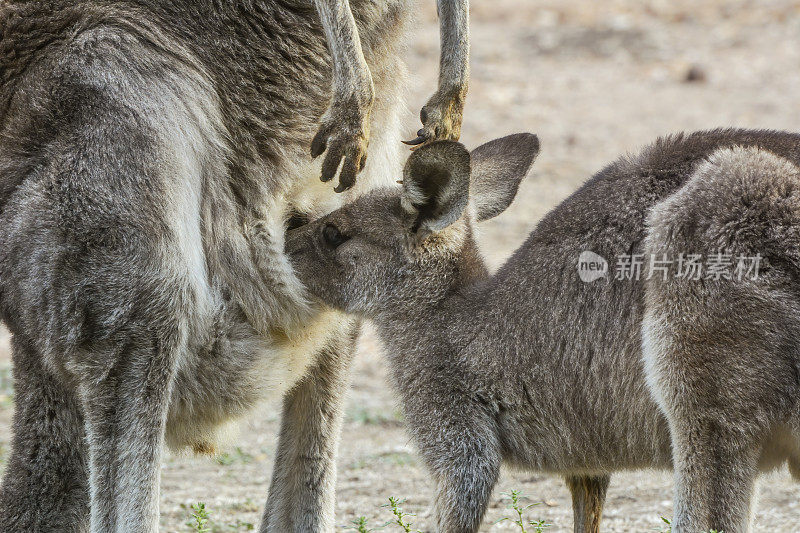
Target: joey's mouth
(297,220)
(295,237)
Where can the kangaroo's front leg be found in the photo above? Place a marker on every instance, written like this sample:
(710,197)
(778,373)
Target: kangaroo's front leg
(588,497)
(441,116)
(125,408)
(302,492)
(344,131)
(460,445)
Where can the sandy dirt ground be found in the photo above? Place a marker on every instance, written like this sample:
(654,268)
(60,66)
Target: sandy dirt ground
(594,80)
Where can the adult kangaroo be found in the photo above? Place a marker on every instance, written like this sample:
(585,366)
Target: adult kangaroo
(151,154)
(578,372)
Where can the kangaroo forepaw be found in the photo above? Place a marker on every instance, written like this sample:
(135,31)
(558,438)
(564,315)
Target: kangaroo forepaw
(344,133)
(441,118)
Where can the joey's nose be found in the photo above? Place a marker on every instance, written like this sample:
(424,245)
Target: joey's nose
(297,240)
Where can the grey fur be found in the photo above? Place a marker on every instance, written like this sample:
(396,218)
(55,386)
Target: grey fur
(441,116)
(533,367)
(151,153)
(344,131)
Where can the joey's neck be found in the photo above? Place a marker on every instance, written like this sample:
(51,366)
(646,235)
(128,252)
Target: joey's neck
(436,327)
(418,351)
(429,356)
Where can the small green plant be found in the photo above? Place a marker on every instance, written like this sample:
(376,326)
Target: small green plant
(538,526)
(400,517)
(668,527)
(237,456)
(200,518)
(665,528)
(361,525)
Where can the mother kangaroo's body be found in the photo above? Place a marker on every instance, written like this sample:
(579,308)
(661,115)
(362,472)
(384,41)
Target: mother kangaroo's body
(151,154)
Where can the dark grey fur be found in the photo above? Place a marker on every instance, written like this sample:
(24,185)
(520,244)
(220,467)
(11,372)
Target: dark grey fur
(151,152)
(534,367)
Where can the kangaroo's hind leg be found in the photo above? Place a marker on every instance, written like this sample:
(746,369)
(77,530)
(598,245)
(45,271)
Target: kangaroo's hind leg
(721,352)
(721,393)
(45,486)
(723,390)
(588,497)
(126,410)
(715,475)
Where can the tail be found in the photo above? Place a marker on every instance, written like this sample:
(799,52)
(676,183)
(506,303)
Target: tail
(588,497)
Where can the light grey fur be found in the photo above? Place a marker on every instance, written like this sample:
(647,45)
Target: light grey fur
(344,131)
(534,367)
(723,356)
(151,154)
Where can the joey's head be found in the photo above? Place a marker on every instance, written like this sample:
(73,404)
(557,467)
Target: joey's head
(404,247)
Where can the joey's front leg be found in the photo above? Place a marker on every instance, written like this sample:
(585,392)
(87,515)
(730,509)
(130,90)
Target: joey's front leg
(441,117)
(344,128)
(459,443)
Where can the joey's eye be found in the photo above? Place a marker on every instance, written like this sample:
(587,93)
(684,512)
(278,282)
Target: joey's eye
(332,236)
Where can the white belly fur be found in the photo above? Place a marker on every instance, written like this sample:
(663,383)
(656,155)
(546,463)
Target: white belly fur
(210,406)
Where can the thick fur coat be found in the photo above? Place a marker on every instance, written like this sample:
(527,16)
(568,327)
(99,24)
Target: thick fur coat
(538,368)
(151,155)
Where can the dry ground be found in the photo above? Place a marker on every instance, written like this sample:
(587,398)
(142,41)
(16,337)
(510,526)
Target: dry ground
(594,80)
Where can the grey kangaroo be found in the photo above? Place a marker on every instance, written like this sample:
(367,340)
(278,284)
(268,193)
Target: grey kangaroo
(537,368)
(151,154)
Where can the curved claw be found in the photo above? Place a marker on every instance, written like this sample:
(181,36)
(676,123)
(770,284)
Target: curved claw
(347,179)
(422,136)
(341,188)
(319,144)
(414,142)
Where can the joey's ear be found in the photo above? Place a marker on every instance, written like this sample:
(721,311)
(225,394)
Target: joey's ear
(436,185)
(497,170)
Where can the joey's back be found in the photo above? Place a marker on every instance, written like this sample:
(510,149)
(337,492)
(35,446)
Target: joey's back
(542,364)
(535,342)
(566,349)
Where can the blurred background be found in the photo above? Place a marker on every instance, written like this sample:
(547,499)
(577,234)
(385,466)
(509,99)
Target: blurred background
(595,80)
